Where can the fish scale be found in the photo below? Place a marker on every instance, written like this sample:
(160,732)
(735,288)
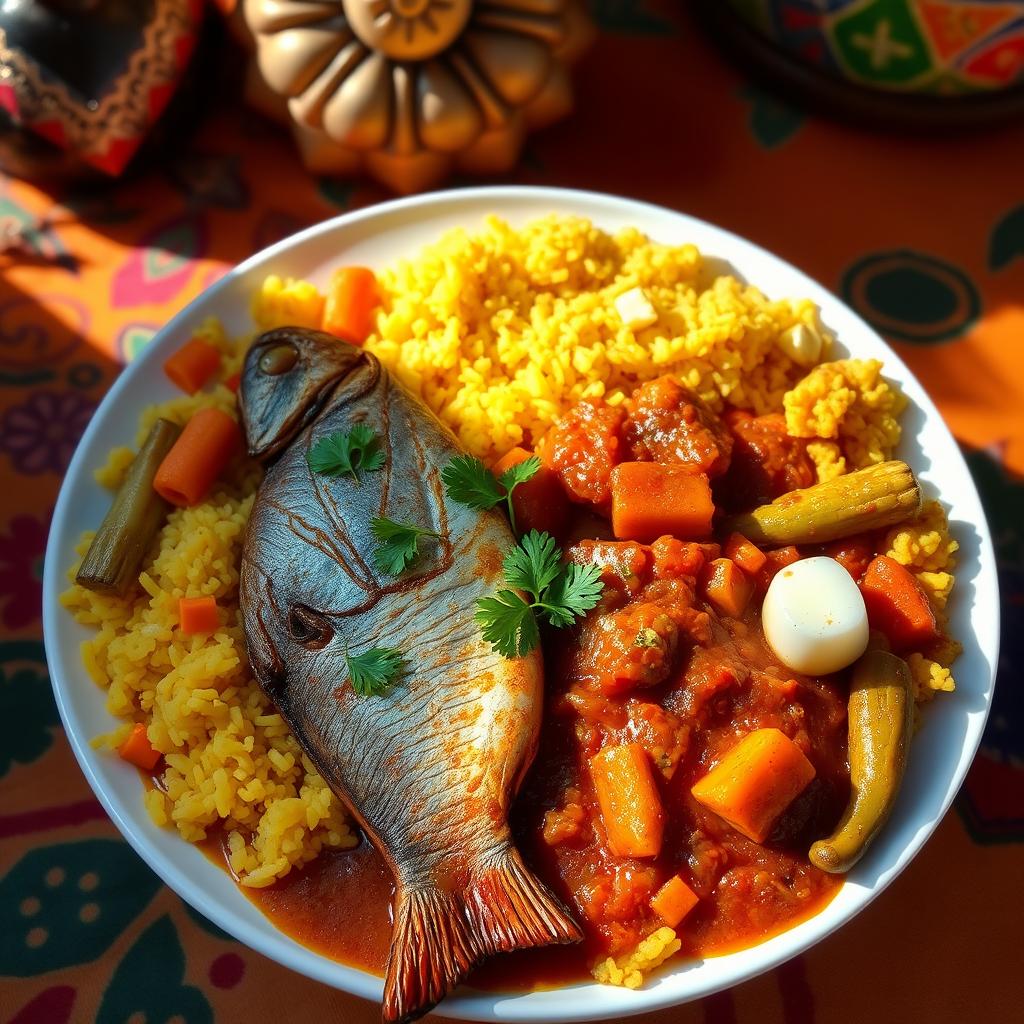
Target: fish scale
(429,767)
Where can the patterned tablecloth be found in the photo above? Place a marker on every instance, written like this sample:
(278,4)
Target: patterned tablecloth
(925,237)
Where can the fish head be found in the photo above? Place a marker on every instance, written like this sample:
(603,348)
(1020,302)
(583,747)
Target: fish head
(287,377)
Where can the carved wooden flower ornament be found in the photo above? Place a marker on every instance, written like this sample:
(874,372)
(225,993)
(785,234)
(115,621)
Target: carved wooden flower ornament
(408,90)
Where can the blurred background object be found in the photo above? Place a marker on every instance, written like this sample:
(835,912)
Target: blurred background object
(409,90)
(924,63)
(83,82)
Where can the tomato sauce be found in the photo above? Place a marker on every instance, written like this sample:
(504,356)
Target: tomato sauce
(656,664)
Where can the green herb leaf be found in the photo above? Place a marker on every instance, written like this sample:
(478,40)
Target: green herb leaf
(574,591)
(508,624)
(559,593)
(347,452)
(533,564)
(520,473)
(398,545)
(469,482)
(373,671)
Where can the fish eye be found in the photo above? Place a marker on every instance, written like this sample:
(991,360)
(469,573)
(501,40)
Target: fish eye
(309,628)
(279,359)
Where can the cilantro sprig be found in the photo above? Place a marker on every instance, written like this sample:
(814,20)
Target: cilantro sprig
(398,544)
(469,482)
(373,671)
(558,594)
(347,452)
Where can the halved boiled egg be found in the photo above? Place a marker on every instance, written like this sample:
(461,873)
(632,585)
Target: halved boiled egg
(814,617)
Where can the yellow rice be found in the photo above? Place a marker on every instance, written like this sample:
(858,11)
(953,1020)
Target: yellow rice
(499,332)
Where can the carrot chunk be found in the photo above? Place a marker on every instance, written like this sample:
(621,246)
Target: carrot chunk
(898,606)
(351,300)
(197,614)
(539,503)
(650,499)
(755,782)
(137,749)
(193,365)
(673,901)
(747,555)
(629,800)
(232,383)
(726,586)
(206,445)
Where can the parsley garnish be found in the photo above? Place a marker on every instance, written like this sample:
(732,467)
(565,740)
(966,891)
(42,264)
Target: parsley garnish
(399,545)
(558,593)
(470,482)
(373,671)
(346,451)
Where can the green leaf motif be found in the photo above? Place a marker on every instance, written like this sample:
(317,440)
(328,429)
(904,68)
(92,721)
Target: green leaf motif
(335,192)
(27,712)
(629,17)
(1007,241)
(149,983)
(1002,496)
(66,904)
(35,235)
(773,122)
(205,923)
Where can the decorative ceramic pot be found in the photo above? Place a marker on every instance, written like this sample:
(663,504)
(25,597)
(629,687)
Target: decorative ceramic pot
(408,90)
(940,59)
(90,76)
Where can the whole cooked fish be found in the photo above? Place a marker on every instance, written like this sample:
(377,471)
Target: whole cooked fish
(429,767)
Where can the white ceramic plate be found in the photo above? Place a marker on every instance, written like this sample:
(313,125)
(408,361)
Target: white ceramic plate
(942,750)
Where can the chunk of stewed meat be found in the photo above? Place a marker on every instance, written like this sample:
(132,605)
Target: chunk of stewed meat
(669,423)
(665,736)
(766,461)
(625,649)
(583,448)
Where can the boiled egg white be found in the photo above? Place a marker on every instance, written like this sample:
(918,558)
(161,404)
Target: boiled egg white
(814,617)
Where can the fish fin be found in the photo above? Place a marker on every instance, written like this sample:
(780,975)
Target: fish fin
(439,937)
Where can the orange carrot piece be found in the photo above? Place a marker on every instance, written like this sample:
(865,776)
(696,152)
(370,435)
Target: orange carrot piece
(651,499)
(137,749)
(747,555)
(197,614)
(193,365)
(755,782)
(726,586)
(673,901)
(232,383)
(198,457)
(351,300)
(898,606)
(539,503)
(628,797)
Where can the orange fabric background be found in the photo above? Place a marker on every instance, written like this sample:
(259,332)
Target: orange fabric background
(660,117)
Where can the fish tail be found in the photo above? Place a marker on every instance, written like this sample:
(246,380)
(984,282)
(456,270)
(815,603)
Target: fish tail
(439,937)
